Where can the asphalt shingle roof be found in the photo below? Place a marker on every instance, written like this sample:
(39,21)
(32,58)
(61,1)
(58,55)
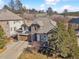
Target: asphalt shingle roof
(74,20)
(46,24)
(6,15)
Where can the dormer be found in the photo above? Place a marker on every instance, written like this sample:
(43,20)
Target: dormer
(34,27)
(24,27)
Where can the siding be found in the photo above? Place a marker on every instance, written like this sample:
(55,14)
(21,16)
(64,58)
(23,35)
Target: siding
(14,25)
(5,27)
(10,26)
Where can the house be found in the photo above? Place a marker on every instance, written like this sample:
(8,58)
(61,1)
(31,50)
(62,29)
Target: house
(10,22)
(40,27)
(38,30)
(28,18)
(23,33)
(58,18)
(74,22)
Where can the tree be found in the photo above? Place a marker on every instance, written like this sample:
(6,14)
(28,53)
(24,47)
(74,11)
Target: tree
(6,7)
(2,42)
(73,43)
(33,10)
(55,12)
(65,42)
(49,11)
(65,12)
(18,5)
(12,5)
(24,9)
(59,40)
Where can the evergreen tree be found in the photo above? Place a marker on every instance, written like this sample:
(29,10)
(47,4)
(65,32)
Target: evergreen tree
(73,43)
(49,11)
(65,42)
(12,5)
(18,5)
(6,7)
(59,40)
(65,12)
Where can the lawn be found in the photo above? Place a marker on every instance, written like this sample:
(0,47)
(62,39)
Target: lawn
(34,55)
(3,43)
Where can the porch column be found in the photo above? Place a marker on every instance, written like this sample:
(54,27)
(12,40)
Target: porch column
(38,37)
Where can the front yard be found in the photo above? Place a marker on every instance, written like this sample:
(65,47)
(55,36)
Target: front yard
(3,43)
(25,55)
(31,54)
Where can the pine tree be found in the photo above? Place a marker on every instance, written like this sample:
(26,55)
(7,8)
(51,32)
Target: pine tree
(12,5)
(18,5)
(65,12)
(6,7)
(73,43)
(59,40)
(65,42)
(49,11)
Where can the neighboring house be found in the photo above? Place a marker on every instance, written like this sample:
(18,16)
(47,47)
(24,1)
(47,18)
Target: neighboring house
(40,27)
(28,18)
(23,33)
(58,18)
(74,22)
(10,22)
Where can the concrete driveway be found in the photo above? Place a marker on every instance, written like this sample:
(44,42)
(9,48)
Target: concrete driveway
(14,50)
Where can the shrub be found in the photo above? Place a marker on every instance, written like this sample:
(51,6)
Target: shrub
(2,44)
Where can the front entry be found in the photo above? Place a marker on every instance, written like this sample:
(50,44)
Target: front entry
(35,37)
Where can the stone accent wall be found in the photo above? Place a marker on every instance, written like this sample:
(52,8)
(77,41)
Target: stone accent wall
(23,37)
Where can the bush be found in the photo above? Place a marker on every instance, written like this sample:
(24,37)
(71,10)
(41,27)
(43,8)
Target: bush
(2,44)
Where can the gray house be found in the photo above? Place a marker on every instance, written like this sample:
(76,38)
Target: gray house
(40,27)
(38,30)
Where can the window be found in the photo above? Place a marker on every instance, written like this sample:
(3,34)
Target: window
(14,22)
(7,22)
(11,28)
(35,28)
(14,28)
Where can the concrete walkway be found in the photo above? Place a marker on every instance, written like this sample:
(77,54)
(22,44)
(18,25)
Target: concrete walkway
(14,50)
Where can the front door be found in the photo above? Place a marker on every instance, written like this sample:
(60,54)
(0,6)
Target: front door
(35,37)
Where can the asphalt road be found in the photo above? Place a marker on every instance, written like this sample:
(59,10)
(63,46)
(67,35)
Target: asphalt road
(14,50)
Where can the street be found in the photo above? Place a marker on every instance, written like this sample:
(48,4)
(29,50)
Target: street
(14,50)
